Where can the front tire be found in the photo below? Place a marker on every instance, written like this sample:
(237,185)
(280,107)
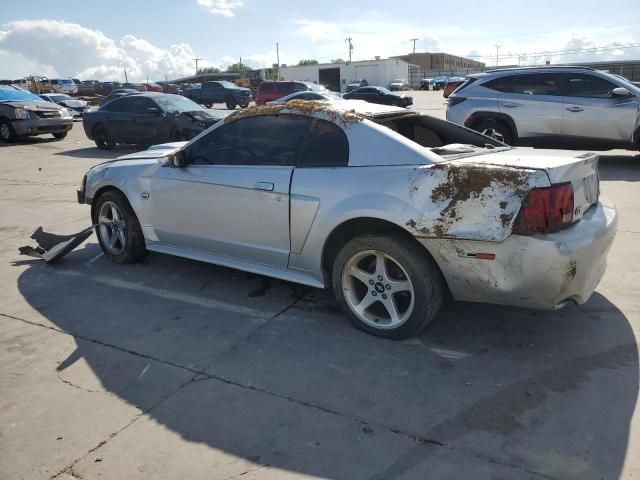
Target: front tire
(118,229)
(387,285)
(230,103)
(7,133)
(103,138)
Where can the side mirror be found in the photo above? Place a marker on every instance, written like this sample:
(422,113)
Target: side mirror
(179,159)
(620,92)
(153,111)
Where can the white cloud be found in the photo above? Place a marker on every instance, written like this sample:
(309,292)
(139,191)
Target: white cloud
(58,48)
(370,38)
(225,8)
(318,31)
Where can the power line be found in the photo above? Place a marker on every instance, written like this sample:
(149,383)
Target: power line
(563,52)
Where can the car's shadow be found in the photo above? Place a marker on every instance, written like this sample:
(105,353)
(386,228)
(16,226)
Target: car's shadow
(624,168)
(286,381)
(95,152)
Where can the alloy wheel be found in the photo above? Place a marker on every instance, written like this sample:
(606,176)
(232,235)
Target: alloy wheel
(378,289)
(5,133)
(112,228)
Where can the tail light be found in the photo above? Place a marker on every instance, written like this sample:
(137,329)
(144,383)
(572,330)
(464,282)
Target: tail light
(546,209)
(453,101)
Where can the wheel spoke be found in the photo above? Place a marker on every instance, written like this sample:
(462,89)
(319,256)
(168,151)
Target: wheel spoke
(114,213)
(391,307)
(121,238)
(113,238)
(365,303)
(381,267)
(360,274)
(399,286)
(104,221)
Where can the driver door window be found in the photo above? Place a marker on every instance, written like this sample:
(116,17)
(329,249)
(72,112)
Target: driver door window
(262,140)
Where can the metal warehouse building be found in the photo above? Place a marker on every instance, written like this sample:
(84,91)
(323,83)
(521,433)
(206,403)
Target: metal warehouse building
(336,76)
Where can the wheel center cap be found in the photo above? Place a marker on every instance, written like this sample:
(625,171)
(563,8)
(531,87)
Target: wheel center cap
(379,287)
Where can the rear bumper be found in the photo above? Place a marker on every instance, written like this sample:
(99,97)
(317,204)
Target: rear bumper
(26,128)
(538,271)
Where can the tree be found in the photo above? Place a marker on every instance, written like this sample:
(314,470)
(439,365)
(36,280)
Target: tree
(337,60)
(308,62)
(209,70)
(242,69)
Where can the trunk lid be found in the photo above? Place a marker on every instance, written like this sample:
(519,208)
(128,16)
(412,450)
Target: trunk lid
(579,168)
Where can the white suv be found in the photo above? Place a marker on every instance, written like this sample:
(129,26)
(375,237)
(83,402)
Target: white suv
(64,85)
(569,105)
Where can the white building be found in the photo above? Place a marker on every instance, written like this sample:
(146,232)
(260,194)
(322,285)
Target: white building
(336,76)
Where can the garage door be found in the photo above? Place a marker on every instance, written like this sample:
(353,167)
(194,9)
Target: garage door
(369,73)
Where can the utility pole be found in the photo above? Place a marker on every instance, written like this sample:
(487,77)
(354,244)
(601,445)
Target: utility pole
(414,40)
(197,60)
(278,57)
(497,55)
(350,47)
(126,80)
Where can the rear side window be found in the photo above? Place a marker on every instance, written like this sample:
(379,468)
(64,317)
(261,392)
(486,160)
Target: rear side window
(536,84)
(589,86)
(115,106)
(137,105)
(327,146)
(262,140)
(466,83)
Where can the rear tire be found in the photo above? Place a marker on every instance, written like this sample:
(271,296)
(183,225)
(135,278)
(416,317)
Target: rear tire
(103,138)
(497,129)
(60,135)
(118,229)
(230,103)
(387,285)
(7,133)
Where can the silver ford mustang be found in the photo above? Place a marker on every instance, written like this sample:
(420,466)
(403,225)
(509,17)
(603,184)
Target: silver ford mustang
(390,208)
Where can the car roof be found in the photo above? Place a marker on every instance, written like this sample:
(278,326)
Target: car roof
(541,69)
(358,107)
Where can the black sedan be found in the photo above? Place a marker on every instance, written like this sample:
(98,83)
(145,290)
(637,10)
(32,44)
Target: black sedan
(146,119)
(77,108)
(379,95)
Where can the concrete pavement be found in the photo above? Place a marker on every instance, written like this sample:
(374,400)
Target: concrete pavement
(175,369)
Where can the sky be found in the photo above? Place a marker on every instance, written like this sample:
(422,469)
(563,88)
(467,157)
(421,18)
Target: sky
(159,39)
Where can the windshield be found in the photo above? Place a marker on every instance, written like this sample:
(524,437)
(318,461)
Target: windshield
(177,104)
(60,98)
(11,94)
(384,90)
(65,82)
(315,87)
(226,84)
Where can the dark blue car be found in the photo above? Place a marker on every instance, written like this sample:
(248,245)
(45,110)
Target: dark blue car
(146,119)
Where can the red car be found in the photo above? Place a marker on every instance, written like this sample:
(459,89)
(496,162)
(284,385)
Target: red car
(270,90)
(152,87)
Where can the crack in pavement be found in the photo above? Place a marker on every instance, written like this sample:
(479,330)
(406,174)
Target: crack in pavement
(200,375)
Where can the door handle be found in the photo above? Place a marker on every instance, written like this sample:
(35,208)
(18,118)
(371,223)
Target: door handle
(267,186)
(574,109)
(509,105)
